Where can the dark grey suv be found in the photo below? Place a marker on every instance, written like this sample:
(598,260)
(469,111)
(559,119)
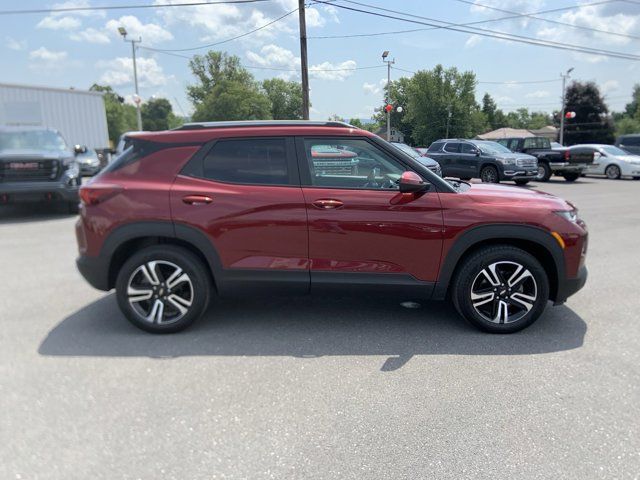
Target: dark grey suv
(37,165)
(486,160)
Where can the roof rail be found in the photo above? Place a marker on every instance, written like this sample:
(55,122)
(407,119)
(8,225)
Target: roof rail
(262,123)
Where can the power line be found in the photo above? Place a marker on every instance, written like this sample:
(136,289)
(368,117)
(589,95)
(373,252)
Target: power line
(226,40)
(477,22)
(506,82)
(548,20)
(487,33)
(124,7)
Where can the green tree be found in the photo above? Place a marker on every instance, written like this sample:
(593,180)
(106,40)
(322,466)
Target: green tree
(627,125)
(285,97)
(157,114)
(230,100)
(495,117)
(631,109)
(592,123)
(398,97)
(121,117)
(441,101)
(225,90)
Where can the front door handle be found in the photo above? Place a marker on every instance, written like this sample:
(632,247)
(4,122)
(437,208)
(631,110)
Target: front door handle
(197,200)
(327,203)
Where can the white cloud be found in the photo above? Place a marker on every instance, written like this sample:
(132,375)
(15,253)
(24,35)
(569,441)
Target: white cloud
(333,71)
(47,55)
(90,35)
(314,18)
(13,44)
(472,41)
(150,32)
(119,71)
(59,23)
(511,5)
(610,86)
(538,94)
(374,88)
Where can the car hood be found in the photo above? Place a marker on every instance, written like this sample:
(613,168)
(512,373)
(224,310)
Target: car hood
(12,154)
(628,158)
(426,161)
(491,193)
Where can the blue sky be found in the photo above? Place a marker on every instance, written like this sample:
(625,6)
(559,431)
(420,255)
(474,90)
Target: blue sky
(78,49)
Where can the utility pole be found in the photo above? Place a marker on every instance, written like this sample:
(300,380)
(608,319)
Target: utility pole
(446,135)
(137,99)
(304,66)
(564,80)
(387,99)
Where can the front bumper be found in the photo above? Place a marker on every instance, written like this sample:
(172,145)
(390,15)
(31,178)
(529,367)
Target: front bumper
(511,172)
(570,286)
(39,191)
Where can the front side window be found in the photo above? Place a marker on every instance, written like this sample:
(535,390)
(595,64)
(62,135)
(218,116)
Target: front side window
(261,161)
(537,142)
(631,141)
(513,144)
(467,148)
(351,163)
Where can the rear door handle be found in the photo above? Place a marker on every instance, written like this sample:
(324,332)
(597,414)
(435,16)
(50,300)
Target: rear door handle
(197,200)
(327,203)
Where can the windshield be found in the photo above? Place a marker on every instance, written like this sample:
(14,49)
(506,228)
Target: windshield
(491,147)
(611,150)
(407,149)
(48,140)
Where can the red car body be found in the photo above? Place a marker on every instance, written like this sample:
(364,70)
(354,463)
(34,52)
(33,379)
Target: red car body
(303,238)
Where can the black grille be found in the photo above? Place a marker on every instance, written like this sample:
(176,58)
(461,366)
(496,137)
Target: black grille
(28,170)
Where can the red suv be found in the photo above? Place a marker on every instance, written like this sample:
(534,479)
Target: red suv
(241,208)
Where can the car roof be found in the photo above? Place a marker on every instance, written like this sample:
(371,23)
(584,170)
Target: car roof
(206,131)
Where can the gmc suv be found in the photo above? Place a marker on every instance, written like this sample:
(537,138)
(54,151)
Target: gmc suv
(241,208)
(37,165)
(488,161)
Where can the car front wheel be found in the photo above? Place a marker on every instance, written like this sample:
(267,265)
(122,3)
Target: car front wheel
(544,172)
(613,172)
(163,289)
(500,289)
(489,174)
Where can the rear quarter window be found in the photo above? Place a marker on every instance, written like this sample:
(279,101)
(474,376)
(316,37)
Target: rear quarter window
(136,150)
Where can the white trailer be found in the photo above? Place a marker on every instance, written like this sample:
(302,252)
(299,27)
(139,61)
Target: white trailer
(79,115)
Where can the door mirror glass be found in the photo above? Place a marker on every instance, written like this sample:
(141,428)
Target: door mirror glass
(411,182)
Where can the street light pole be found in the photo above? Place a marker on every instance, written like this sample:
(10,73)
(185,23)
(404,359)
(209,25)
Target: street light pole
(387,100)
(304,66)
(564,80)
(137,100)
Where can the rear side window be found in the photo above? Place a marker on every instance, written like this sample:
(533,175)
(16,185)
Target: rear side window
(136,150)
(435,147)
(631,141)
(452,147)
(261,161)
(513,144)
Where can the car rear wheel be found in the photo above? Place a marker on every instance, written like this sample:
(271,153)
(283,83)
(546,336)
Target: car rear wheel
(489,174)
(544,172)
(612,172)
(571,176)
(500,289)
(163,289)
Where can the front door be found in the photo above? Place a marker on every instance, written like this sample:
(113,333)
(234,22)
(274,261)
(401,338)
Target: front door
(244,195)
(362,230)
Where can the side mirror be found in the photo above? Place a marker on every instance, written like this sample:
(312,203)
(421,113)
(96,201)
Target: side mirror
(477,152)
(78,149)
(411,182)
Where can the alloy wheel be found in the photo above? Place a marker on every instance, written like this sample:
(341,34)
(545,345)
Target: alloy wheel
(160,292)
(541,172)
(503,292)
(489,175)
(613,172)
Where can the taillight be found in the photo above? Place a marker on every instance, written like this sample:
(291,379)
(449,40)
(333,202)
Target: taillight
(94,194)
(567,155)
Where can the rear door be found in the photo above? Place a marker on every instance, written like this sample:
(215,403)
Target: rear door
(244,195)
(362,230)
(450,155)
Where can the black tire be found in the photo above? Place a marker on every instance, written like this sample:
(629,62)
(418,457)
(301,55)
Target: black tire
(521,182)
(571,176)
(613,172)
(489,174)
(197,288)
(469,276)
(636,178)
(544,172)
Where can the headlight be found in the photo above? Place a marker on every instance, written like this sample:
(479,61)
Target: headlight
(571,215)
(507,161)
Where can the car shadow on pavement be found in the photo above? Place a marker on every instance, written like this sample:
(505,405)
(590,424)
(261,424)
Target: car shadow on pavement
(310,327)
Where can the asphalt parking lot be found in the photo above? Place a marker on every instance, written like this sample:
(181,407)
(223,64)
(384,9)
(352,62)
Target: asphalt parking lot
(322,387)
